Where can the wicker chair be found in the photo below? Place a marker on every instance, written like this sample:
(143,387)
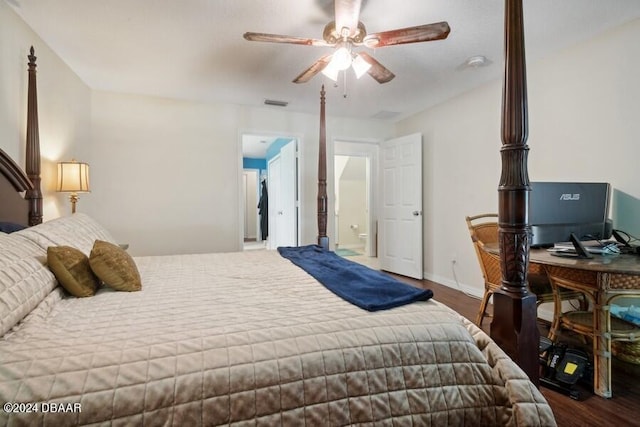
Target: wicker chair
(620,337)
(484,230)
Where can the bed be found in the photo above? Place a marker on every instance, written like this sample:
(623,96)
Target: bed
(242,338)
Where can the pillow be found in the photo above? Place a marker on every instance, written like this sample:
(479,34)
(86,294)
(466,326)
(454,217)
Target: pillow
(25,280)
(71,268)
(78,230)
(10,227)
(114,266)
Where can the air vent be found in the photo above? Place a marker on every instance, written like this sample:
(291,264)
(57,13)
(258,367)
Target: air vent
(385,115)
(276,102)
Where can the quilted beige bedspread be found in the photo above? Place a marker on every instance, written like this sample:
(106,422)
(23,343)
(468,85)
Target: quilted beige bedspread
(250,339)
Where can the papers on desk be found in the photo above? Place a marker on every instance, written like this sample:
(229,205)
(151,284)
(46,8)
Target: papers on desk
(604,247)
(630,314)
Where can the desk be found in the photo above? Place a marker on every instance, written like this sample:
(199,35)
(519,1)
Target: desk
(602,278)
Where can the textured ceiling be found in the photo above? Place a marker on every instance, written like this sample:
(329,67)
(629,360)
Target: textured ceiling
(194,49)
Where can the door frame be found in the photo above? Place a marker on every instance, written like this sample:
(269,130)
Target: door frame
(298,139)
(272,202)
(370,150)
(246,173)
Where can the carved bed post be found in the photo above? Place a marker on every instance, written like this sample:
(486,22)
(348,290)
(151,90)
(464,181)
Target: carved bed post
(33,195)
(323,240)
(514,326)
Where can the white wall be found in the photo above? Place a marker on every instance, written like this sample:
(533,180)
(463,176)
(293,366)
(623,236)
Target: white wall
(63,107)
(166,173)
(583,115)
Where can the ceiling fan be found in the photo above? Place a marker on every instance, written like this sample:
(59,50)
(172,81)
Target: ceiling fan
(347,32)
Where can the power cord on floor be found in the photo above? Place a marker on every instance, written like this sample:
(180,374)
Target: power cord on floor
(455,278)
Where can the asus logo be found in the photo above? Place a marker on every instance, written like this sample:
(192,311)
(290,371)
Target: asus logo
(569,196)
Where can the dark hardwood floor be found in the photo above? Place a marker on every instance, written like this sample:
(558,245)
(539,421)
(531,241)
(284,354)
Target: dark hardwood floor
(623,409)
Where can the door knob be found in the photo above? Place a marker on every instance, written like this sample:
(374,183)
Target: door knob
(416,213)
(279,212)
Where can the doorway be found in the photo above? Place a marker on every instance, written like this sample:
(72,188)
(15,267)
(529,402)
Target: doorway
(269,174)
(355,188)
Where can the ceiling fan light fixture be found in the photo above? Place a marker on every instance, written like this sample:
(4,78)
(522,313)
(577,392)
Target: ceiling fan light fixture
(347,31)
(341,59)
(331,71)
(360,66)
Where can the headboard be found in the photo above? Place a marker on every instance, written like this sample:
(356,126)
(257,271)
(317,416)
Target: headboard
(12,182)
(16,208)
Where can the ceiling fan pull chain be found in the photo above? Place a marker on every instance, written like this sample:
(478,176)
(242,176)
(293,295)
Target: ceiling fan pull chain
(344,74)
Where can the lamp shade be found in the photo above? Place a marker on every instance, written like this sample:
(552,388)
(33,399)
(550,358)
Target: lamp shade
(341,58)
(360,66)
(73,177)
(331,71)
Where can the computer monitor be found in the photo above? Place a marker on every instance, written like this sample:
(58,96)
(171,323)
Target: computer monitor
(567,211)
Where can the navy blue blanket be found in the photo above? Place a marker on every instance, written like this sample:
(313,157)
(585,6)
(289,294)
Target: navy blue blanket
(360,285)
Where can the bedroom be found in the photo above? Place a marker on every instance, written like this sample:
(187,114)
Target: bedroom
(583,93)
(121,128)
(575,92)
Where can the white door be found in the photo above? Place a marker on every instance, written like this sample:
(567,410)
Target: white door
(283,213)
(401,213)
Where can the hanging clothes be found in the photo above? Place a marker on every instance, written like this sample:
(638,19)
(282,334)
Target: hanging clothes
(263,210)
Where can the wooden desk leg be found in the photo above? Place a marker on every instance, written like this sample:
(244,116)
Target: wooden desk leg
(601,342)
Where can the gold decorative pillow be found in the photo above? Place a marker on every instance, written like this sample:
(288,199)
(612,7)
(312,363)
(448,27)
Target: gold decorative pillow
(114,266)
(71,268)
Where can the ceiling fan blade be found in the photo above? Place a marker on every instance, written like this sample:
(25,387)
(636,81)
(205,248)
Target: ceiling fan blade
(317,66)
(377,70)
(420,33)
(347,15)
(277,38)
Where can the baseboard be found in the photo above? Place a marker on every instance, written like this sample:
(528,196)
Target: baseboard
(545,311)
(467,289)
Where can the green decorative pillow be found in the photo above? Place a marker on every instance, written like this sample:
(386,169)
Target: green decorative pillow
(71,268)
(114,266)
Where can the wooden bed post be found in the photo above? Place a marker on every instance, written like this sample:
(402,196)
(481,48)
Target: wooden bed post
(323,240)
(514,327)
(33,195)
